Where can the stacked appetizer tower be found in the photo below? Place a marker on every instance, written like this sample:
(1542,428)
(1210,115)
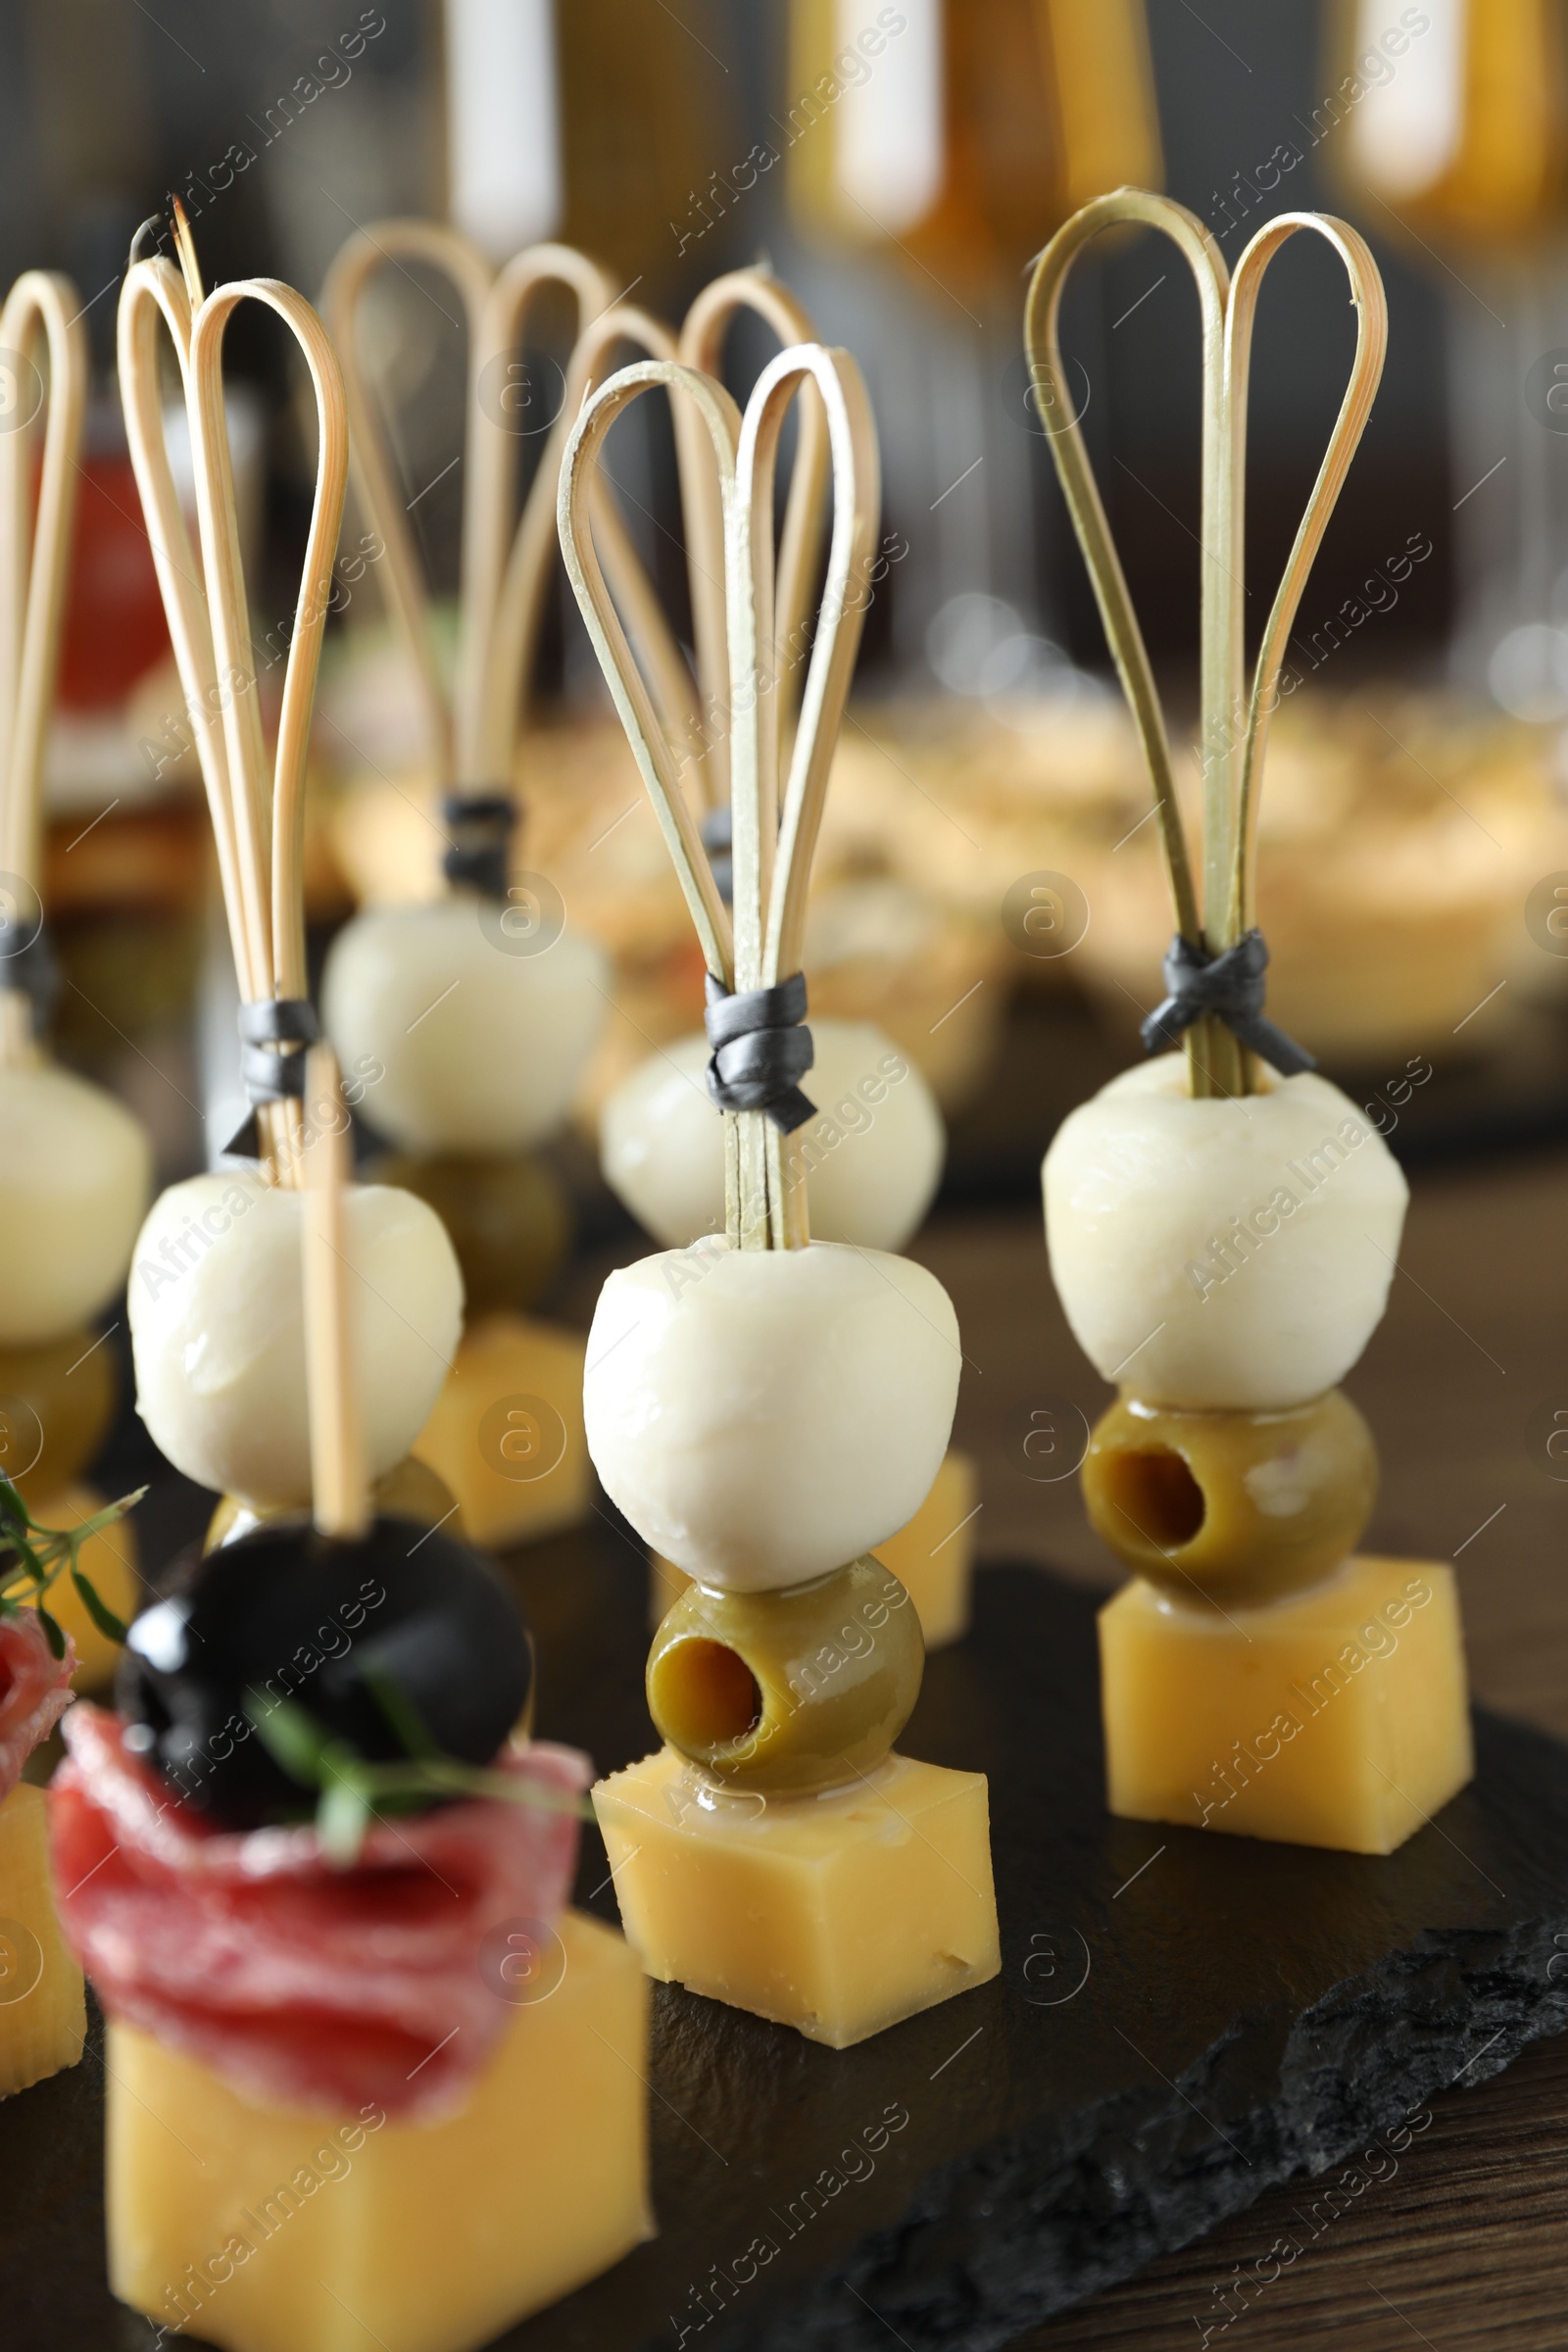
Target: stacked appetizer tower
(214,1302)
(1223,1227)
(765,1409)
(482,1005)
(74,1166)
(875,1151)
(369,2078)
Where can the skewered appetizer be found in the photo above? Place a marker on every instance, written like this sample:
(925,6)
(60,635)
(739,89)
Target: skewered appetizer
(319,1883)
(765,1409)
(215,1313)
(74,1166)
(875,1151)
(42,2013)
(1223,1226)
(874,1156)
(481,1009)
(483,1004)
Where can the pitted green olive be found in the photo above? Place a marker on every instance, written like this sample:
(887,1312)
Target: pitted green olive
(411,1490)
(798,1689)
(1237,1506)
(508,1221)
(56,1403)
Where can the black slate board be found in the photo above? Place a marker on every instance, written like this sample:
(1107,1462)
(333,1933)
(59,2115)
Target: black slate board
(1167,2037)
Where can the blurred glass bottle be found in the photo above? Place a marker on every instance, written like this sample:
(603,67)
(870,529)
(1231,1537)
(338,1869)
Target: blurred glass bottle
(963,132)
(939,144)
(601,122)
(1455,140)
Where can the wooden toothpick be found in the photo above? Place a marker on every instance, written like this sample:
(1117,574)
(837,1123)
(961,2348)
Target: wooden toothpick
(1235,723)
(340,1482)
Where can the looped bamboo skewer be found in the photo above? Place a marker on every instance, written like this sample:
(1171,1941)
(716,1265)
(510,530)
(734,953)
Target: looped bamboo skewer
(772,848)
(154,294)
(505,569)
(1232,748)
(348,280)
(659,759)
(34,553)
(340,1480)
(1366,370)
(676,694)
(258,811)
(702,343)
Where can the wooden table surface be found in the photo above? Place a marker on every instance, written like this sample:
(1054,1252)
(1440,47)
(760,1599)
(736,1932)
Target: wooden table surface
(1465,2243)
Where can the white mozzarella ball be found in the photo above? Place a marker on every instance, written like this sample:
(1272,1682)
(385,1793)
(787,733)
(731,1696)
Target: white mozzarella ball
(74,1173)
(872,1157)
(216,1327)
(763,1416)
(1222,1254)
(461,1043)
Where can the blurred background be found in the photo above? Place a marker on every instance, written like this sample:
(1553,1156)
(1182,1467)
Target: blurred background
(899,166)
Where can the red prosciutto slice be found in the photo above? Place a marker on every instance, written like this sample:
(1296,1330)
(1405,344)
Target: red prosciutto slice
(304,1984)
(34,1690)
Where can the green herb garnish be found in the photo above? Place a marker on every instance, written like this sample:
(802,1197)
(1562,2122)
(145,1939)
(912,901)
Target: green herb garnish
(353,1791)
(32,1556)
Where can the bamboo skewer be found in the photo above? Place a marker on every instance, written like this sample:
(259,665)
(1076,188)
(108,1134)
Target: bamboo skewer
(506,566)
(674,692)
(772,848)
(1232,744)
(155,293)
(471,277)
(35,556)
(702,342)
(1366,370)
(341,1482)
(507,572)
(658,759)
(257,809)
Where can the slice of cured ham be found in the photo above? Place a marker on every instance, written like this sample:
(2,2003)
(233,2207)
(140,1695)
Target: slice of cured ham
(301,1982)
(34,1690)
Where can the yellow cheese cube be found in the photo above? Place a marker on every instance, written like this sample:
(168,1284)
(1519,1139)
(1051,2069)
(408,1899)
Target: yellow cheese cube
(932,1557)
(837,1914)
(1336,1716)
(506,1432)
(109,1562)
(43,2014)
(274,2230)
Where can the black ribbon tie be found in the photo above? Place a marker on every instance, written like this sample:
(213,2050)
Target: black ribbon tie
(1229,987)
(478,854)
(761,1051)
(269,1074)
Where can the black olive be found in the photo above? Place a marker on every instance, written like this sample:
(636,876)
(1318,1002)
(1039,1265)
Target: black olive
(287,1613)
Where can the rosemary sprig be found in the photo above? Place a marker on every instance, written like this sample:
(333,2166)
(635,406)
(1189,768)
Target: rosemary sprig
(32,1556)
(353,1791)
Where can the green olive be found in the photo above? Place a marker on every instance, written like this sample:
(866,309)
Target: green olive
(1237,1506)
(798,1689)
(509,1220)
(56,1403)
(411,1490)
